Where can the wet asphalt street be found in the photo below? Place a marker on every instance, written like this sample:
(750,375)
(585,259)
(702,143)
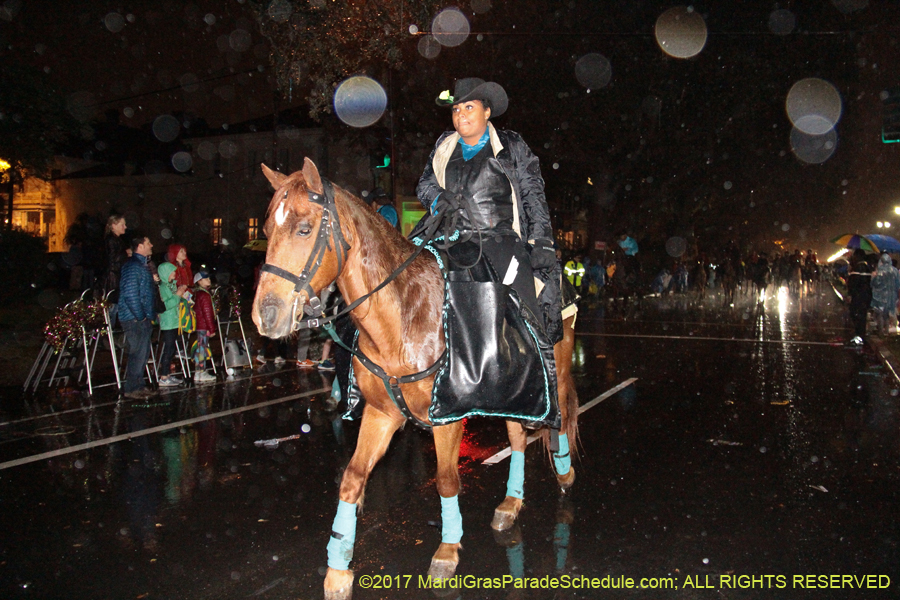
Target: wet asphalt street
(750,451)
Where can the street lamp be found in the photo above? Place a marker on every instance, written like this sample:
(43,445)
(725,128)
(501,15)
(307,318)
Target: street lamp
(897,209)
(879,224)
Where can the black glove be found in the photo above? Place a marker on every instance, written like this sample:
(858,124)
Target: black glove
(543,256)
(447,203)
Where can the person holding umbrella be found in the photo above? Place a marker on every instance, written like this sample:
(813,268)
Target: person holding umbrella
(859,288)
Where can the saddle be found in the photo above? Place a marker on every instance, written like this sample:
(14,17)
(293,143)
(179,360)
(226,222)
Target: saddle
(499,362)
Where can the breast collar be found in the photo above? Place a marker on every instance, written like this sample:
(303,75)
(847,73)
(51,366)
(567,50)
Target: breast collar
(329,229)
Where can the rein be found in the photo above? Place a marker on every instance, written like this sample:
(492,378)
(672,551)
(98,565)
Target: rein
(314,307)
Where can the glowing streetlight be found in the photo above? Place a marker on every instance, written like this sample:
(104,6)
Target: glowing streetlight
(879,224)
(897,209)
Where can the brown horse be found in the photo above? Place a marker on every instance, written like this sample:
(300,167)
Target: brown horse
(400,330)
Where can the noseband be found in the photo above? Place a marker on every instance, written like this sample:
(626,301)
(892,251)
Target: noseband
(329,229)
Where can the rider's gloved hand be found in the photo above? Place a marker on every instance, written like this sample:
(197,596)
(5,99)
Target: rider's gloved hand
(446,203)
(543,255)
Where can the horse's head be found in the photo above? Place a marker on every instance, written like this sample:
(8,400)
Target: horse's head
(305,251)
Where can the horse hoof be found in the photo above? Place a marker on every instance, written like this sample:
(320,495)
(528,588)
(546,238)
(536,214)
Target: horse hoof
(338,585)
(566,481)
(506,514)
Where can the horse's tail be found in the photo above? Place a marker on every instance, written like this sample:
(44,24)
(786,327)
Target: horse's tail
(570,426)
(568,396)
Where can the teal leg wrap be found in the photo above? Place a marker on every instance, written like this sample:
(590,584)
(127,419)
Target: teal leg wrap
(343,535)
(561,460)
(515,485)
(336,389)
(451,520)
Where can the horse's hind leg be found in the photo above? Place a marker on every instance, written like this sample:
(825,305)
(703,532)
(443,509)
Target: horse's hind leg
(568,406)
(446,444)
(505,515)
(375,434)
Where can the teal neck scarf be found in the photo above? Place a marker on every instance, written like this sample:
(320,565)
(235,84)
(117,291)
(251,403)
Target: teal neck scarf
(468,151)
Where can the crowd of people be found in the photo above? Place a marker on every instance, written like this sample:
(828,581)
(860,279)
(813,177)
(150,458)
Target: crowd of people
(173,299)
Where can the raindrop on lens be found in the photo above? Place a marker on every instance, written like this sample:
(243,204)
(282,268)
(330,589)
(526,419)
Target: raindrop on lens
(210,19)
(280,11)
(680,32)
(360,101)
(305,428)
(114,22)
(182,161)
(676,246)
(763,449)
(276,382)
(705,561)
(450,27)
(727,185)
(480,6)
(814,106)
(166,234)
(413,29)
(429,47)
(593,71)
(782,21)
(813,149)
(79,464)
(166,128)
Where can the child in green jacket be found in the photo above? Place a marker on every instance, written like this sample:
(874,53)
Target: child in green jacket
(171,294)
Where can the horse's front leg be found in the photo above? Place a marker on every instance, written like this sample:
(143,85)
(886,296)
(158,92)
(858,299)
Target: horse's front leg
(505,515)
(446,444)
(375,433)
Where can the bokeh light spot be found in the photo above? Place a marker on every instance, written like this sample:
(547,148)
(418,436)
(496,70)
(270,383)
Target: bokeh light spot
(593,71)
(813,105)
(429,47)
(360,101)
(480,6)
(450,27)
(676,246)
(813,149)
(166,128)
(182,161)
(782,21)
(114,22)
(681,32)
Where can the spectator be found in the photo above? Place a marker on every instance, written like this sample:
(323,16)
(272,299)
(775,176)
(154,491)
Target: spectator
(177,255)
(859,289)
(171,294)
(384,206)
(574,271)
(224,264)
(116,255)
(136,312)
(206,326)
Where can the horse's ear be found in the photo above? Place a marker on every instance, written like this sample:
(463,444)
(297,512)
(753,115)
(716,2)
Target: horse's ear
(274,177)
(312,177)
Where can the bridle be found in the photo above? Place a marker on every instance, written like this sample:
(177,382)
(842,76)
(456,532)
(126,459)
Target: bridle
(329,231)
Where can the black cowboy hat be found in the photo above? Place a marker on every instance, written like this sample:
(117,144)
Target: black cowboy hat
(473,88)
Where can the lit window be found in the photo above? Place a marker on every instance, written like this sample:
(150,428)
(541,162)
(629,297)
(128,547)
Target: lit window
(252,229)
(216,231)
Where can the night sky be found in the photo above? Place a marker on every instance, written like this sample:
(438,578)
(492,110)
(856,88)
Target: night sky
(672,146)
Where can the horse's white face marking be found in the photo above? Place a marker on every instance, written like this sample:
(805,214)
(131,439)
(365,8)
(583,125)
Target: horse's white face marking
(280,214)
